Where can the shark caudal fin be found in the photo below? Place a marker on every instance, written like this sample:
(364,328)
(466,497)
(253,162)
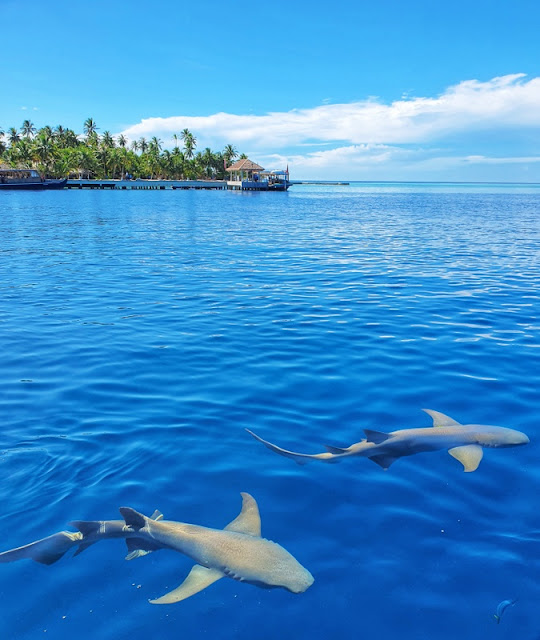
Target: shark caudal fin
(45,551)
(299,458)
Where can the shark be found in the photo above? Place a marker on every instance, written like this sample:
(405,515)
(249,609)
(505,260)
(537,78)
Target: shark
(238,551)
(464,442)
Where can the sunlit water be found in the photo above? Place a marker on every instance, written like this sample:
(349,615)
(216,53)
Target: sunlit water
(142,332)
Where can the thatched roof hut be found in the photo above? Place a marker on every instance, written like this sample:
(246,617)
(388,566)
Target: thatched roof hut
(243,169)
(245,164)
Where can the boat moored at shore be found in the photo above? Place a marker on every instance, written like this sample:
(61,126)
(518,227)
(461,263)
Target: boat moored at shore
(27,179)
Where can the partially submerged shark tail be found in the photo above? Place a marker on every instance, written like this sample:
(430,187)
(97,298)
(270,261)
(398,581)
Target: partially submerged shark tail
(300,458)
(49,550)
(45,551)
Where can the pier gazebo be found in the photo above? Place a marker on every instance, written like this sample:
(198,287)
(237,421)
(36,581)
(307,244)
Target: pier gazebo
(244,169)
(247,175)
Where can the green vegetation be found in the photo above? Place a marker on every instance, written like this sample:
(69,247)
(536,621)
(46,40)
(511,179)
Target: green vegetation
(60,152)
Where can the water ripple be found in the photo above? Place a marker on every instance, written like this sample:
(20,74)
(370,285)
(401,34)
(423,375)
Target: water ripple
(142,332)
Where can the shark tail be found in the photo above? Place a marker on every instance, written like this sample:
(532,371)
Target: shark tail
(299,458)
(46,551)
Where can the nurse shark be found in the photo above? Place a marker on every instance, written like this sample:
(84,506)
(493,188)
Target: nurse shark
(465,442)
(238,551)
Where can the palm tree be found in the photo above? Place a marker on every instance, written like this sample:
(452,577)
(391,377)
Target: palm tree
(44,150)
(107,140)
(122,141)
(28,129)
(229,153)
(155,143)
(13,136)
(208,162)
(70,139)
(190,142)
(22,152)
(177,163)
(135,146)
(47,132)
(143,145)
(89,127)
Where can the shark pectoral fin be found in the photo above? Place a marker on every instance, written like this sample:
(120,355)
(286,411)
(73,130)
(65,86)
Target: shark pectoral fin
(376,436)
(441,420)
(248,520)
(469,455)
(383,461)
(138,547)
(198,579)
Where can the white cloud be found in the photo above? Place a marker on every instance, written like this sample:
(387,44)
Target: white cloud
(384,162)
(371,138)
(507,101)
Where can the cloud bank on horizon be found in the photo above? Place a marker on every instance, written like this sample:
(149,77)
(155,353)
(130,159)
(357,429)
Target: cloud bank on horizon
(410,138)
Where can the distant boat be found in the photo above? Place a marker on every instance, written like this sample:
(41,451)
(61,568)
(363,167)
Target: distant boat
(27,179)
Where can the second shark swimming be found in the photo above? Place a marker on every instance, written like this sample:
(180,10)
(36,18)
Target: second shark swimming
(237,552)
(465,442)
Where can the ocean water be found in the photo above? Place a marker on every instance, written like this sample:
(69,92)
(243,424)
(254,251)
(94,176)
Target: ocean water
(142,332)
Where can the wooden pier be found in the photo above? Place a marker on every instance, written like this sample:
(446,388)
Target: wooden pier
(146,184)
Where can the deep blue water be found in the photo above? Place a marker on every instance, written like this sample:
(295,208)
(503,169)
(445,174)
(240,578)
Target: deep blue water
(142,332)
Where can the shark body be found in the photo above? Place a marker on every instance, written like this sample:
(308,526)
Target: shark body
(466,443)
(237,552)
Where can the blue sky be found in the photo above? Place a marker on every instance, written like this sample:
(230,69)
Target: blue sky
(386,90)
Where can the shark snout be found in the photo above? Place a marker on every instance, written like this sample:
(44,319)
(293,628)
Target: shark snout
(521,438)
(301,582)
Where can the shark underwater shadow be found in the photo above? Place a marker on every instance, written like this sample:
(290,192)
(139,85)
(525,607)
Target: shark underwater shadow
(466,443)
(238,551)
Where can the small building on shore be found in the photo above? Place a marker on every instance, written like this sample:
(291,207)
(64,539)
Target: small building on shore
(246,175)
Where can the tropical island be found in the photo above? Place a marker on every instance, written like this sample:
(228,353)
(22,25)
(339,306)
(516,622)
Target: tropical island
(59,152)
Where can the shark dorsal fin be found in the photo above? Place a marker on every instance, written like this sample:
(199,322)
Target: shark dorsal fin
(376,436)
(248,520)
(336,450)
(469,455)
(441,420)
(198,579)
(133,518)
(137,547)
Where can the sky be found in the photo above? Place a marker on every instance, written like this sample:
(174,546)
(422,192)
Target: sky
(341,90)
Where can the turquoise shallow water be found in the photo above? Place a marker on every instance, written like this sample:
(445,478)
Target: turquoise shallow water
(141,334)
